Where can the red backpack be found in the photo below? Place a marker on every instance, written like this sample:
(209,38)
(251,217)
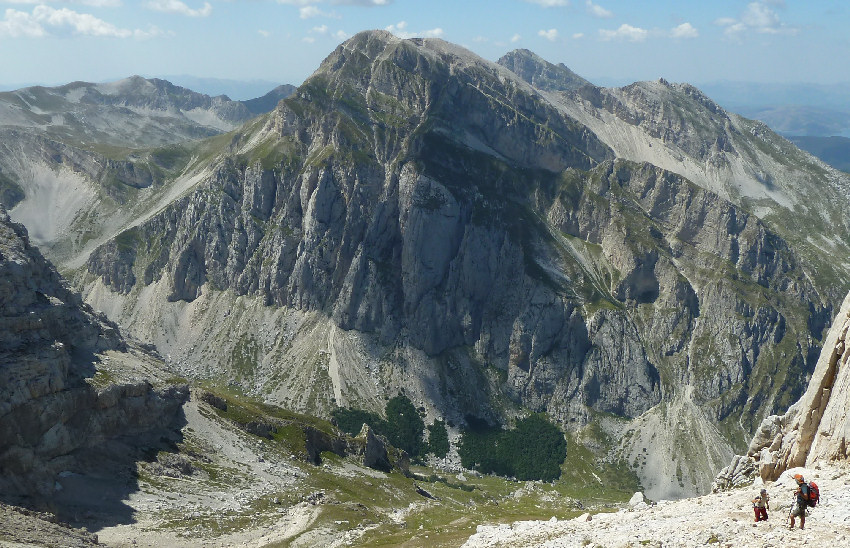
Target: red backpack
(814,494)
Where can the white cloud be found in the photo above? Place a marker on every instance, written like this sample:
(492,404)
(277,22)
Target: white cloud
(515,38)
(17,24)
(598,11)
(340,35)
(550,3)
(92,3)
(578,36)
(758,18)
(685,30)
(44,18)
(308,39)
(264,33)
(758,15)
(152,32)
(176,6)
(399,30)
(308,12)
(321,29)
(625,32)
(551,34)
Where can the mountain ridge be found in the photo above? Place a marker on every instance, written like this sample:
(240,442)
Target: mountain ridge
(482,187)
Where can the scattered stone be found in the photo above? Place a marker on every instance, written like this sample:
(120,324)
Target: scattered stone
(636,498)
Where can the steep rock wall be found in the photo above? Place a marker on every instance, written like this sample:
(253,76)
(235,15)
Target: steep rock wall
(55,396)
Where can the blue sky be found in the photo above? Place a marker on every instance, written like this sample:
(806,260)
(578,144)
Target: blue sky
(607,41)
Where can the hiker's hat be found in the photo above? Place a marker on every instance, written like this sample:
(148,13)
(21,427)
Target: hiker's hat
(798,477)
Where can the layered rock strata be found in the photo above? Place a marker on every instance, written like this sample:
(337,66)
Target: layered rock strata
(816,429)
(69,381)
(453,232)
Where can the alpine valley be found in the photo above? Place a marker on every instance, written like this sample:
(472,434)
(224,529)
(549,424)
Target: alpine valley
(487,241)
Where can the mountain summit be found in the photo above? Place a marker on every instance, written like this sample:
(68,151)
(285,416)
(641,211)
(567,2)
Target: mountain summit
(415,219)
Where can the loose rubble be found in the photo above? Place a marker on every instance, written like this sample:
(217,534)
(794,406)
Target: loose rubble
(722,519)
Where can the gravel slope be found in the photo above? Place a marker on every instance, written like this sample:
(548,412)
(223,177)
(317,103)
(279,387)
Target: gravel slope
(719,519)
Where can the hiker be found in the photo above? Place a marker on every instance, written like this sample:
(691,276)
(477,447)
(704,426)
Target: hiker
(801,501)
(761,504)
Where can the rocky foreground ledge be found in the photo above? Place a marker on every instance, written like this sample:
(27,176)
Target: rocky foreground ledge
(719,519)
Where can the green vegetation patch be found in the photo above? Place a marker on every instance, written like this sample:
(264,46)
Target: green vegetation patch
(533,450)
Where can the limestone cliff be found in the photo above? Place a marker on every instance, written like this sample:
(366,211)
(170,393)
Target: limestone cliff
(68,379)
(816,429)
(416,217)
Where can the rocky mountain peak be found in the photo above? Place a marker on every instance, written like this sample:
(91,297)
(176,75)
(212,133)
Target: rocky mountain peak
(540,73)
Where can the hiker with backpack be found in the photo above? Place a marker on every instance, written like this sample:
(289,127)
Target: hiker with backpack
(806,495)
(761,504)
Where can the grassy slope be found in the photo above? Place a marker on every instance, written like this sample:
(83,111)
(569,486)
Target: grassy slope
(357,498)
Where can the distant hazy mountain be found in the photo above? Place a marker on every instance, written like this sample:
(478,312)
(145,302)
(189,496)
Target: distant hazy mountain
(835,151)
(801,120)
(734,95)
(130,112)
(238,90)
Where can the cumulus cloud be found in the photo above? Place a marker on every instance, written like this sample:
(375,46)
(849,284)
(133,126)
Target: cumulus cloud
(685,30)
(598,11)
(400,30)
(757,17)
(44,18)
(578,35)
(550,3)
(625,32)
(515,38)
(264,33)
(308,12)
(176,6)
(551,34)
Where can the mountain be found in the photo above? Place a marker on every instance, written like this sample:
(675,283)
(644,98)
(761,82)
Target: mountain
(540,73)
(815,430)
(415,217)
(801,120)
(835,151)
(810,438)
(76,395)
(132,112)
(678,128)
(122,135)
(267,102)
(238,90)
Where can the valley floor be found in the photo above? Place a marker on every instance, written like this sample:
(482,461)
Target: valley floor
(719,519)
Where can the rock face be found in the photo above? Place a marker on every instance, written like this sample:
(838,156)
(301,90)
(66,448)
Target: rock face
(816,429)
(540,73)
(476,245)
(269,101)
(55,397)
(490,238)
